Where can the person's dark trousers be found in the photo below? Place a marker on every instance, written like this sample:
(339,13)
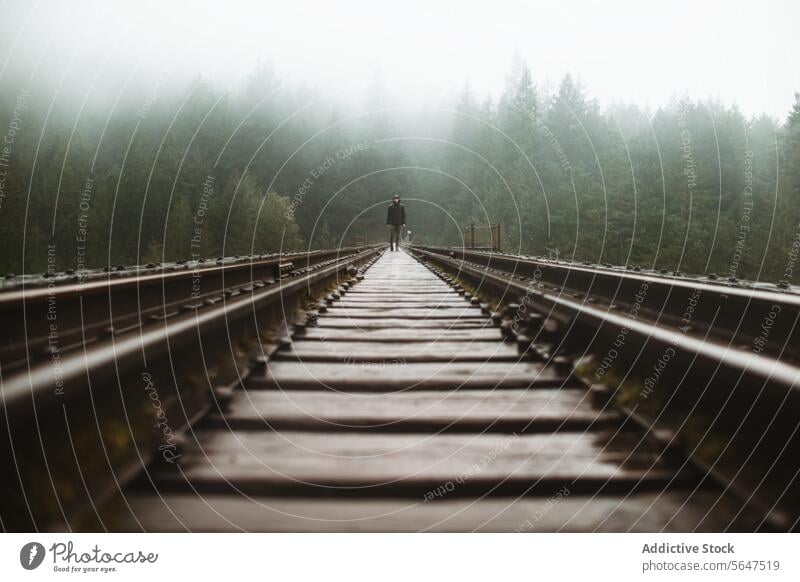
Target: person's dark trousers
(395,230)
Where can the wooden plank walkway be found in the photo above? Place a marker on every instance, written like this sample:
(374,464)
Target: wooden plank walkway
(403,410)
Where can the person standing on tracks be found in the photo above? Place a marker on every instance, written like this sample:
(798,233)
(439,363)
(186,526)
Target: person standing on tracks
(395,222)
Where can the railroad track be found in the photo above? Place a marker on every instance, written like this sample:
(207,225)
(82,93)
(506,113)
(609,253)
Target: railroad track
(398,405)
(727,310)
(100,303)
(88,368)
(711,365)
(435,389)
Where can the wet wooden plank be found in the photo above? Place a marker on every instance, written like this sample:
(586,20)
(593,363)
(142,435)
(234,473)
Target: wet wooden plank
(374,281)
(400,324)
(381,309)
(402,292)
(440,312)
(414,464)
(408,293)
(394,335)
(430,351)
(385,302)
(401,284)
(471,410)
(702,511)
(405,298)
(398,375)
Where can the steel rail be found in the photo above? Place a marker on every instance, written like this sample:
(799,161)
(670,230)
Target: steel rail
(37,317)
(114,355)
(699,307)
(97,281)
(752,397)
(586,317)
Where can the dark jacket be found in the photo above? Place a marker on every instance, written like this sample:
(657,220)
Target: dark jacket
(396,214)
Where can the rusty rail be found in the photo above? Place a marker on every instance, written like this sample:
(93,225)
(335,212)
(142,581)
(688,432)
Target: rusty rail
(62,313)
(65,409)
(713,370)
(727,311)
(224,302)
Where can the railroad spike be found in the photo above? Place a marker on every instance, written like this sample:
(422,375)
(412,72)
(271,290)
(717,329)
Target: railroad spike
(601,395)
(667,439)
(260,363)
(562,364)
(508,330)
(548,330)
(524,343)
(223,396)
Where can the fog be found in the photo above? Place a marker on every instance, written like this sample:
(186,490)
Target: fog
(623,50)
(608,132)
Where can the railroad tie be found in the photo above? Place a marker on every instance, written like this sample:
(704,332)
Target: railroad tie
(402,408)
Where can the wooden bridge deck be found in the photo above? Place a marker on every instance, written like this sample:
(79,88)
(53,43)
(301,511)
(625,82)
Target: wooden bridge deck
(404,410)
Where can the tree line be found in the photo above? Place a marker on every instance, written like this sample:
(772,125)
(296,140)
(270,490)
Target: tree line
(163,174)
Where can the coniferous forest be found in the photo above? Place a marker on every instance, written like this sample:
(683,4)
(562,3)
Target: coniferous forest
(186,170)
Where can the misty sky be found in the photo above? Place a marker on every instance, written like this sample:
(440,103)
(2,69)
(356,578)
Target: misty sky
(626,50)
